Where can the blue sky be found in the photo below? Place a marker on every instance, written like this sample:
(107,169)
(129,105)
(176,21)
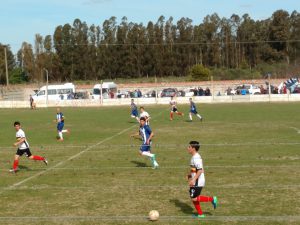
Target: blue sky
(20,20)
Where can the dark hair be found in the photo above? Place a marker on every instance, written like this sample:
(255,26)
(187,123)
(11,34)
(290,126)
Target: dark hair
(17,123)
(143,118)
(142,107)
(195,144)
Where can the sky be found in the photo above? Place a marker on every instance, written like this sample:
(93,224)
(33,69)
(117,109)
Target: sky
(21,20)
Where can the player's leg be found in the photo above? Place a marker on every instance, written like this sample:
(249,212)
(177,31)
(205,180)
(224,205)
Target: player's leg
(194,194)
(198,115)
(16,162)
(212,199)
(171,115)
(190,115)
(35,157)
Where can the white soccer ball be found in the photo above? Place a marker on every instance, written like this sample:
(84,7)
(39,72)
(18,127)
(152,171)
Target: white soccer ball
(153,215)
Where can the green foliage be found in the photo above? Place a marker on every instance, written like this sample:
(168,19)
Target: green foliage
(17,76)
(199,72)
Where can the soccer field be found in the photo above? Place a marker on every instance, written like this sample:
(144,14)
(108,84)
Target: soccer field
(250,152)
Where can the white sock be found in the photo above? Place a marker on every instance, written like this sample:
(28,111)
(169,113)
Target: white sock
(64,131)
(199,116)
(60,135)
(147,154)
(191,118)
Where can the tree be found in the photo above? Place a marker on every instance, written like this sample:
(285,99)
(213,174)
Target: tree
(199,72)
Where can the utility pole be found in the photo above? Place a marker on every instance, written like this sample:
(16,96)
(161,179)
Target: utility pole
(47,81)
(6,67)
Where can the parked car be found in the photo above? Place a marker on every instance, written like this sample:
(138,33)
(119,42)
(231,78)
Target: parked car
(247,89)
(169,92)
(150,94)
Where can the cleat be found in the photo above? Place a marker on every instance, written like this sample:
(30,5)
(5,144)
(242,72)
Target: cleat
(155,165)
(215,202)
(45,161)
(68,131)
(60,139)
(199,216)
(13,171)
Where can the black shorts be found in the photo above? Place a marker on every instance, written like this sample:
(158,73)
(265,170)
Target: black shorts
(26,151)
(174,109)
(195,191)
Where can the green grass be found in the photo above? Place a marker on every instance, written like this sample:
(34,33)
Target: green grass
(250,151)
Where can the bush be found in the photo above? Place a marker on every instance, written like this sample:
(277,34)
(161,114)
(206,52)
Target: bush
(199,72)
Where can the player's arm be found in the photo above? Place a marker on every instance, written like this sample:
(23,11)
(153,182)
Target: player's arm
(19,141)
(150,137)
(193,180)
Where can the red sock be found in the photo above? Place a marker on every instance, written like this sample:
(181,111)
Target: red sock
(171,115)
(179,113)
(16,163)
(36,157)
(197,207)
(204,199)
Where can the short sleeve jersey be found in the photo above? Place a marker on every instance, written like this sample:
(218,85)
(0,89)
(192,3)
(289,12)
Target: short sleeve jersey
(197,164)
(20,134)
(173,104)
(145,132)
(60,117)
(133,106)
(193,106)
(144,114)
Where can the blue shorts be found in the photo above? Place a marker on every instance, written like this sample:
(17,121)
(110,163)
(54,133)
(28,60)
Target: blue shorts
(60,126)
(145,148)
(194,111)
(134,113)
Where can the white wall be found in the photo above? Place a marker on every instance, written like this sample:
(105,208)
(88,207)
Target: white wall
(152,101)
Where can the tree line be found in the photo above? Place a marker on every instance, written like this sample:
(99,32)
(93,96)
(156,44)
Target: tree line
(80,51)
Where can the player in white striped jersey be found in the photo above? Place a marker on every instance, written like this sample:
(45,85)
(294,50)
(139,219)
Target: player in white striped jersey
(145,115)
(196,180)
(174,108)
(23,148)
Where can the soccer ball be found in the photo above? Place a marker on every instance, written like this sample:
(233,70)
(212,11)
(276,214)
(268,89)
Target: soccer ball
(153,215)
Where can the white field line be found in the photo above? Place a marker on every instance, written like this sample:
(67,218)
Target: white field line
(295,128)
(277,218)
(155,187)
(165,167)
(68,159)
(162,145)
(64,161)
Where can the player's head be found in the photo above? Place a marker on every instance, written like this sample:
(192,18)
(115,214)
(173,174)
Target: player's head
(17,125)
(194,145)
(132,100)
(142,108)
(171,97)
(58,110)
(142,121)
(191,99)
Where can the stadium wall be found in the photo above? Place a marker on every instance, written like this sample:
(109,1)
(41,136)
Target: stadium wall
(153,101)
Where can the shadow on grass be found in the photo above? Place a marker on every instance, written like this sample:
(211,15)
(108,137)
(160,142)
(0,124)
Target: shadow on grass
(24,168)
(185,208)
(139,164)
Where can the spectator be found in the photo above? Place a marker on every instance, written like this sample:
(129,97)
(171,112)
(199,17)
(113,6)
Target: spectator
(32,103)
(207,92)
(200,91)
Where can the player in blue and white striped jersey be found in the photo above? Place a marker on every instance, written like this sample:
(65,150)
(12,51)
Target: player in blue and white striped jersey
(193,110)
(134,110)
(60,119)
(146,134)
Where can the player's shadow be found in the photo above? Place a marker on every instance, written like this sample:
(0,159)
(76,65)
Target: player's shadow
(139,164)
(185,208)
(24,168)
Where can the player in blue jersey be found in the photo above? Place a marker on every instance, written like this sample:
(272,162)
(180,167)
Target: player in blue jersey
(146,134)
(134,110)
(60,119)
(193,110)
